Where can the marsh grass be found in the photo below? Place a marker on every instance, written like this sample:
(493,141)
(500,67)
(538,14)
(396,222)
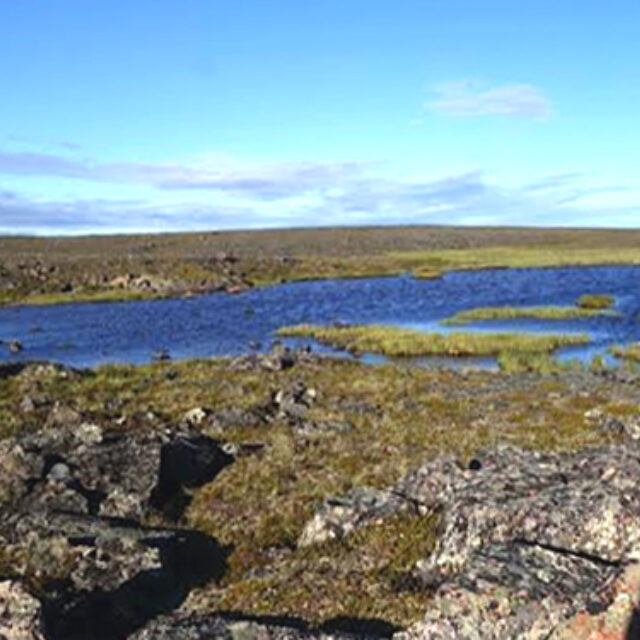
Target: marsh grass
(510,313)
(513,361)
(96,295)
(629,352)
(595,301)
(512,257)
(398,342)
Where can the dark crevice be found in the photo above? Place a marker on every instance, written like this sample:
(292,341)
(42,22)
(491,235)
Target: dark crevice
(93,497)
(633,630)
(368,627)
(569,552)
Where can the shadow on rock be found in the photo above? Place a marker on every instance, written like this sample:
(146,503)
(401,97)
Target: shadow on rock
(187,559)
(231,624)
(633,631)
(369,627)
(10,369)
(186,463)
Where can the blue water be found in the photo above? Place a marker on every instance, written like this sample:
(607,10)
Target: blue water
(220,324)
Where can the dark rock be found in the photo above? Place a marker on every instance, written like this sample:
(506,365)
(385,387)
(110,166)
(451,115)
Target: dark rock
(287,360)
(475,464)
(72,501)
(15,346)
(627,426)
(186,463)
(290,404)
(281,358)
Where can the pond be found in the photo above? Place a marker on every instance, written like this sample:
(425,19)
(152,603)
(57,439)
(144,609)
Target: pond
(220,324)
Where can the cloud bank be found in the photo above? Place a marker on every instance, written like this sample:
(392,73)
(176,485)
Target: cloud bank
(228,194)
(466,98)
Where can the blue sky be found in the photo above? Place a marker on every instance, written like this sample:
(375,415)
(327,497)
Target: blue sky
(216,114)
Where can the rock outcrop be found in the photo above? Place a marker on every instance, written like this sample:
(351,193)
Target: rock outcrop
(527,540)
(75,513)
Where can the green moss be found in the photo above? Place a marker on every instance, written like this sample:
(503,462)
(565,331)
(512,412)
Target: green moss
(394,341)
(361,576)
(509,313)
(595,301)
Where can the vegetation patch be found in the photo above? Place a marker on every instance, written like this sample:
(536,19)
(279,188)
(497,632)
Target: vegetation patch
(395,341)
(513,257)
(365,576)
(510,313)
(627,352)
(55,298)
(595,301)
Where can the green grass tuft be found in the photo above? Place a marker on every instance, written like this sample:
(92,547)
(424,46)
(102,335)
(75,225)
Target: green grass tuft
(509,313)
(628,352)
(395,341)
(595,301)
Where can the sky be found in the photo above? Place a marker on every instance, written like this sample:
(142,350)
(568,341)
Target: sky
(163,115)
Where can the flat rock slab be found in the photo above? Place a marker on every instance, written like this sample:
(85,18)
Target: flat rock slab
(527,540)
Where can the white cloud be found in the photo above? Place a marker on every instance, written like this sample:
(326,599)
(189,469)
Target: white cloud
(468,98)
(244,195)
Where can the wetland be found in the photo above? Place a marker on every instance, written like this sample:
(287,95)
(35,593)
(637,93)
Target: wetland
(335,457)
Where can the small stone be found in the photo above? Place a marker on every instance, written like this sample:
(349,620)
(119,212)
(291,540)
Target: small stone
(27,405)
(242,631)
(161,355)
(196,416)
(62,416)
(15,346)
(88,434)
(60,472)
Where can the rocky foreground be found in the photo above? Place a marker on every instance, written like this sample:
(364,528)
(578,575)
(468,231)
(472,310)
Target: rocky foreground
(94,543)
